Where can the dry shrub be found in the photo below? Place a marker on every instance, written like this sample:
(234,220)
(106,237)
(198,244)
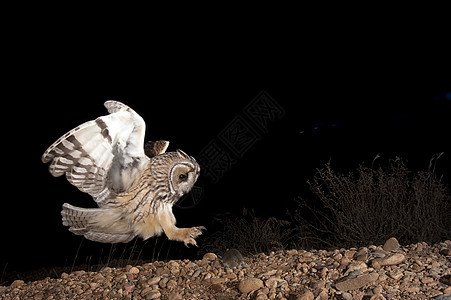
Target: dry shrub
(373,204)
(250,235)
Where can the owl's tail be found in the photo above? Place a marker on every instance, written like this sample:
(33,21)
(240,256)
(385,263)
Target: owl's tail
(95,224)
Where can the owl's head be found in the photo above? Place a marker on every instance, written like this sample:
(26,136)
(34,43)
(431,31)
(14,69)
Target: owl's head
(183,173)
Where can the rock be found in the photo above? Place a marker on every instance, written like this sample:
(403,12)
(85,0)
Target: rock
(218,280)
(209,256)
(129,287)
(217,287)
(153,295)
(446,252)
(250,284)
(393,259)
(17,283)
(175,296)
(396,274)
(391,244)
(305,296)
(79,273)
(416,269)
(292,252)
(347,283)
(446,279)
(443,297)
(273,283)
(146,291)
(347,296)
(154,280)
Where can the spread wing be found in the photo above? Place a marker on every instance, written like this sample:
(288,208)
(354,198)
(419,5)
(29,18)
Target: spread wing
(101,156)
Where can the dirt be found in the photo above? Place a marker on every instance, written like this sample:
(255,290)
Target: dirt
(389,271)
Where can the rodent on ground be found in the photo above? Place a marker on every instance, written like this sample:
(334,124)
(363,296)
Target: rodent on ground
(232,258)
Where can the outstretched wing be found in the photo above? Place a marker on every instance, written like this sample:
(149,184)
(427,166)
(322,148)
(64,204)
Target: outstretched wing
(152,148)
(101,156)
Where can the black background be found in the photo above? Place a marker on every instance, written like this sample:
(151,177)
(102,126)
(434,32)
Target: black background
(347,96)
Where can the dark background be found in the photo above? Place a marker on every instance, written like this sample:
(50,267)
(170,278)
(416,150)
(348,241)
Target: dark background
(347,96)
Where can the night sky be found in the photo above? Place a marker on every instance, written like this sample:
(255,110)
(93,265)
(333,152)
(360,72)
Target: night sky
(275,117)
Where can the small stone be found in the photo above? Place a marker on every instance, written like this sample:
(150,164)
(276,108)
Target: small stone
(133,270)
(218,280)
(375,264)
(153,295)
(377,297)
(17,283)
(175,296)
(209,256)
(322,296)
(346,296)
(129,287)
(217,288)
(305,296)
(447,290)
(347,283)
(413,289)
(350,253)
(163,282)
(269,273)
(292,252)
(318,284)
(154,280)
(106,270)
(391,244)
(377,290)
(394,259)
(146,291)
(273,283)
(396,274)
(79,273)
(172,284)
(443,297)
(446,252)
(419,247)
(98,277)
(250,284)
(261,296)
(427,279)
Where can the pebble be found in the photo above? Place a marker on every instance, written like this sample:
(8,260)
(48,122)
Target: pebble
(391,244)
(374,272)
(393,259)
(250,284)
(350,283)
(306,296)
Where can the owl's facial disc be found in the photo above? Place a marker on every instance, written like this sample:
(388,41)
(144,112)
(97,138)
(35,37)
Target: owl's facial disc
(183,177)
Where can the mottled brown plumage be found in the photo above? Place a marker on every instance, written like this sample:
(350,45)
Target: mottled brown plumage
(134,187)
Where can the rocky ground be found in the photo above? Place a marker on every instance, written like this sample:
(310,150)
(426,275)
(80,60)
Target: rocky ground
(389,271)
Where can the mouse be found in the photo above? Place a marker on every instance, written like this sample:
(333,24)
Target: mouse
(232,258)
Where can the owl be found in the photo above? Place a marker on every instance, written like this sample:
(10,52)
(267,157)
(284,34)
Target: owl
(133,184)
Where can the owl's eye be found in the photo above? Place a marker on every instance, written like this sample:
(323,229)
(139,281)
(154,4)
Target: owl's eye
(183,177)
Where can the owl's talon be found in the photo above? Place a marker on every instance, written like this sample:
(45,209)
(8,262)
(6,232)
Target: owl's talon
(190,241)
(194,233)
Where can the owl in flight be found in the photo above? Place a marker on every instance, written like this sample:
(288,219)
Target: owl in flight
(134,184)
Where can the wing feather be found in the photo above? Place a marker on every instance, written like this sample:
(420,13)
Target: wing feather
(103,155)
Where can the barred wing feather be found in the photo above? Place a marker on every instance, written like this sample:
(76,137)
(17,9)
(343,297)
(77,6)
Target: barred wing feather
(101,156)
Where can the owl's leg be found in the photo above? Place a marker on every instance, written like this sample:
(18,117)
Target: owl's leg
(185,235)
